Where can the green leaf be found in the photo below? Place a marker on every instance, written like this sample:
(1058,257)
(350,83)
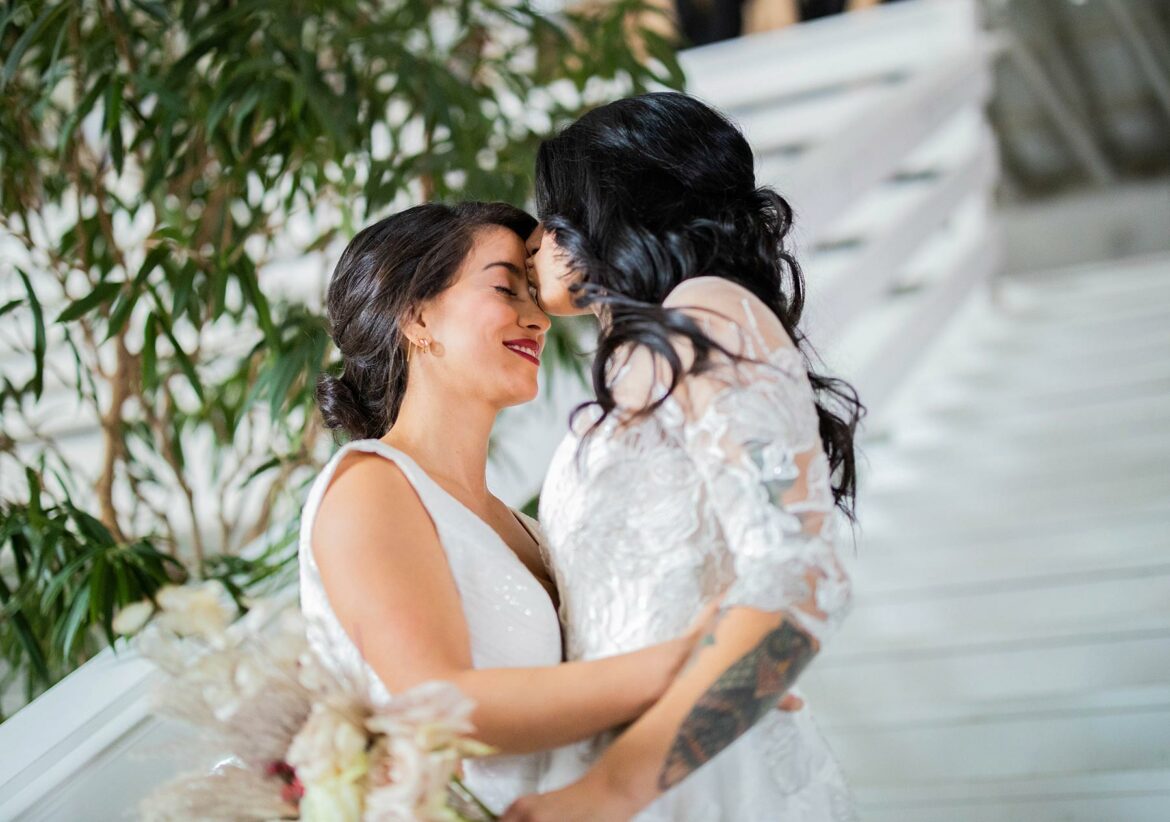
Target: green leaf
(71,123)
(38,381)
(32,648)
(282,375)
(266,466)
(149,352)
(91,527)
(36,514)
(185,364)
(246,272)
(113,120)
(246,106)
(27,39)
(74,623)
(102,292)
(184,284)
(64,578)
(156,10)
(129,297)
(101,603)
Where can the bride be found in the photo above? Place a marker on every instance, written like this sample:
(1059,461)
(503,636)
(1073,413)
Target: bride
(410,568)
(713,461)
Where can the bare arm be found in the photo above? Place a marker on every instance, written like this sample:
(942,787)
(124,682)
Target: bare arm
(388,581)
(755,657)
(531,709)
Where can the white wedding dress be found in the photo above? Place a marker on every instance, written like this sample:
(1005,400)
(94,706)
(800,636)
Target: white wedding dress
(724,488)
(510,617)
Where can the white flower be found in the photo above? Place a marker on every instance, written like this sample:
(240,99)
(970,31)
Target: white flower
(434,714)
(332,800)
(203,610)
(329,757)
(130,619)
(327,746)
(422,741)
(396,780)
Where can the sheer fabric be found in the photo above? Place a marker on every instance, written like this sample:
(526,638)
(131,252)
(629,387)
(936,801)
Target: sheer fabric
(725,488)
(510,618)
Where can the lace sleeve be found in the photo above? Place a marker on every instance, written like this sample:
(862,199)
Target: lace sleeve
(751,429)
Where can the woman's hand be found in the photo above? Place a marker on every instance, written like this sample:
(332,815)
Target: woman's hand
(586,800)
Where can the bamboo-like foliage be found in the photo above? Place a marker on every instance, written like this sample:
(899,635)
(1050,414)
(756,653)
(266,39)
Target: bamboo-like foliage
(157,159)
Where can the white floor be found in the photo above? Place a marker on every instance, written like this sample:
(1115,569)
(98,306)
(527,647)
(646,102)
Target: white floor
(1009,655)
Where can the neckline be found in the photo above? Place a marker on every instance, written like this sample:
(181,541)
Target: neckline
(503,543)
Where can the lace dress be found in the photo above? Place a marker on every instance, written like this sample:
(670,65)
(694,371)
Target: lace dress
(724,488)
(511,620)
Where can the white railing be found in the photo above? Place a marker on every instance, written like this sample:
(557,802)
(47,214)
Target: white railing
(871,124)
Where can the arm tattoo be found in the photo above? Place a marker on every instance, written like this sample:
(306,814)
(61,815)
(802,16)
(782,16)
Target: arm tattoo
(737,700)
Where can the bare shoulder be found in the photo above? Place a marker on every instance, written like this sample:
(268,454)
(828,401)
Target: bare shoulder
(385,573)
(709,292)
(730,314)
(368,503)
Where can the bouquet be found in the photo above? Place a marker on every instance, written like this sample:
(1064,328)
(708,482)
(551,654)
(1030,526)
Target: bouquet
(290,738)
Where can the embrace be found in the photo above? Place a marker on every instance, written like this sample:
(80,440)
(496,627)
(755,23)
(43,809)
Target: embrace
(634,655)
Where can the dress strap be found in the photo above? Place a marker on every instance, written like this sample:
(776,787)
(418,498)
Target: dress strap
(431,495)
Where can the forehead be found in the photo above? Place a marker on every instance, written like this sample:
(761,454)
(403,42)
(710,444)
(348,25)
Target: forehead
(492,243)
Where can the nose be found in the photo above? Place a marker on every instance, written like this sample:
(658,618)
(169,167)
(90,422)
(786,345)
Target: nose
(535,318)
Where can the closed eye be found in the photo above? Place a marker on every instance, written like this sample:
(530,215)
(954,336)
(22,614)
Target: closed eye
(506,290)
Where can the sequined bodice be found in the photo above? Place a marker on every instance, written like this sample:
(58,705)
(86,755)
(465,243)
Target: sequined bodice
(723,489)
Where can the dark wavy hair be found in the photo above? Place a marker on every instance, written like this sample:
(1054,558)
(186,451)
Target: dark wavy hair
(649,191)
(385,272)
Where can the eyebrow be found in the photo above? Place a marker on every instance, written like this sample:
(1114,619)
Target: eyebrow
(504,264)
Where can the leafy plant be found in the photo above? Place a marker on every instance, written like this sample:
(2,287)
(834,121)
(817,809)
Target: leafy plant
(66,578)
(161,162)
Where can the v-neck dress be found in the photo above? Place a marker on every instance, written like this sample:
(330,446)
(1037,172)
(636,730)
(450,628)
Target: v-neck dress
(511,620)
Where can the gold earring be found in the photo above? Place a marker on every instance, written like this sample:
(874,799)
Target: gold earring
(424,344)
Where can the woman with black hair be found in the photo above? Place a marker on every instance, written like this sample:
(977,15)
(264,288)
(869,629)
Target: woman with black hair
(712,465)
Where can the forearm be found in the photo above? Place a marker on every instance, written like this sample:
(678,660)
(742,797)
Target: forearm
(754,659)
(519,710)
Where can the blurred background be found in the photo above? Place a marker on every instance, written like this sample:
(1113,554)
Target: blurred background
(982,191)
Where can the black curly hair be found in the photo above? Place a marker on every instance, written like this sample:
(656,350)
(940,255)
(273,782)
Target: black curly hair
(649,191)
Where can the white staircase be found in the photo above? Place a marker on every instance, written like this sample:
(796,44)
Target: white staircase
(1009,655)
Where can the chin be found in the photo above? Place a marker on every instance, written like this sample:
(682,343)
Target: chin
(519,393)
(530,393)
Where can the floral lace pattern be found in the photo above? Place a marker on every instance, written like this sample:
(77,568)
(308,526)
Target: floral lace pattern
(724,489)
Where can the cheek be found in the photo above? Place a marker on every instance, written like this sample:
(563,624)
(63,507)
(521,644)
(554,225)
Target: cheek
(479,323)
(554,279)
